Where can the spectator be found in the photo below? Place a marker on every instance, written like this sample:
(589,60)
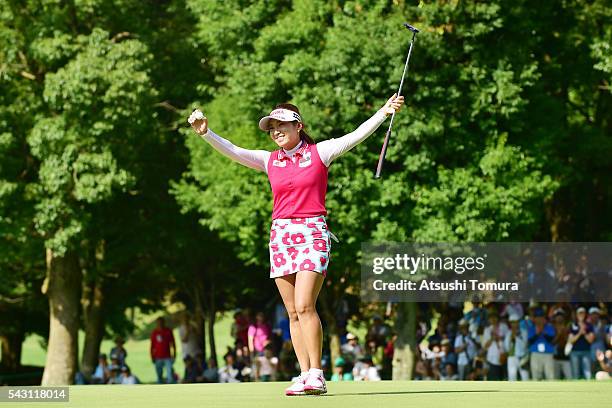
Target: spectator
(266,366)
(561,360)
(433,358)
(476,318)
(339,371)
(379,331)
(366,371)
(515,344)
(609,336)
(449,357)
(259,335)
(477,372)
(102,372)
(540,338)
(465,348)
(240,327)
(492,342)
(191,370)
(115,374)
(342,315)
(199,362)
(282,326)
(604,361)
(449,374)
(581,336)
(560,307)
(231,373)
(115,361)
(242,350)
(351,350)
(163,351)
(119,352)
(127,378)
(388,351)
(211,373)
(599,332)
(422,370)
(242,360)
(376,351)
(440,333)
(190,345)
(513,308)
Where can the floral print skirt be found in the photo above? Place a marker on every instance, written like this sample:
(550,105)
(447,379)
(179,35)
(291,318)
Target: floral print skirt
(299,244)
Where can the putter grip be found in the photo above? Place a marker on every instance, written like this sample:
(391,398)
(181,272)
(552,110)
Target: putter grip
(383,153)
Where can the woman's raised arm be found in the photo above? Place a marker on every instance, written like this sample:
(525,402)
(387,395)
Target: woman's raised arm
(334,148)
(254,159)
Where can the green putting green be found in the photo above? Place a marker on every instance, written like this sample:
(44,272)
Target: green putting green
(384,394)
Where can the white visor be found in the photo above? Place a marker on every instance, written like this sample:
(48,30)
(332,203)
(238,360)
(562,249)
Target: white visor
(284,115)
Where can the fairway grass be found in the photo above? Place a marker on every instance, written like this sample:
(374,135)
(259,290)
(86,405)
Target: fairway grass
(383,394)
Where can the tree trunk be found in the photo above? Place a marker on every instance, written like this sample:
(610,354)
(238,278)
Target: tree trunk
(93,303)
(405,345)
(200,318)
(211,321)
(11,351)
(62,286)
(557,221)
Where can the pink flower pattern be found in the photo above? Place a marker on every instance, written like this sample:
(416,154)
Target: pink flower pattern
(299,244)
(279,260)
(320,245)
(307,265)
(298,238)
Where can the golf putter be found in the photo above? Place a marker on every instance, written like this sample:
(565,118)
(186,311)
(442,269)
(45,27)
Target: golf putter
(383,152)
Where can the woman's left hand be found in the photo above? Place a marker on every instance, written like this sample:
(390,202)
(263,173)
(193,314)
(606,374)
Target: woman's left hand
(394,104)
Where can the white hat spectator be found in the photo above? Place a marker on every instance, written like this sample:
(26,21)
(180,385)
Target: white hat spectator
(581,310)
(351,336)
(513,318)
(594,309)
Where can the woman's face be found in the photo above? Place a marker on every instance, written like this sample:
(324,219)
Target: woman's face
(285,134)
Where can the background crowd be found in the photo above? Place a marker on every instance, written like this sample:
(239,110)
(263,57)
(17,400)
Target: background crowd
(494,341)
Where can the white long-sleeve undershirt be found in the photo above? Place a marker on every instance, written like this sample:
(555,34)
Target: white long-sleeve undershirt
(328,150)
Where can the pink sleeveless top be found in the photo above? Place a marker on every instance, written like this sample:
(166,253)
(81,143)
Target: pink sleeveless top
(298,187)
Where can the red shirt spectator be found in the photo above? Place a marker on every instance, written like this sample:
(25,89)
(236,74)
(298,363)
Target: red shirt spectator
(240,328)
(162,342)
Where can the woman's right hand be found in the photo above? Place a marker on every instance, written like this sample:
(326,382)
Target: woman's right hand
(198,122)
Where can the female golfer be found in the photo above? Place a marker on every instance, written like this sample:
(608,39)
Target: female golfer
(299,237)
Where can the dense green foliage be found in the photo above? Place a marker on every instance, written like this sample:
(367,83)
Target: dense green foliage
(505,136)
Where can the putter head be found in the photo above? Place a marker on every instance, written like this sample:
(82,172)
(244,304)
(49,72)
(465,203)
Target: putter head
(411,28)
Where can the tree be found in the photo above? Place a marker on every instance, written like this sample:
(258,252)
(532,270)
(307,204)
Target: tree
(96,103)
(470,158)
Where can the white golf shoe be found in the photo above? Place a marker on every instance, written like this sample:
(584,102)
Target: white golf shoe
(315,385)
(297,388)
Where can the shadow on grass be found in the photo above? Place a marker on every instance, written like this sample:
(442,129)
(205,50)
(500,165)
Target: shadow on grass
(407,392)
